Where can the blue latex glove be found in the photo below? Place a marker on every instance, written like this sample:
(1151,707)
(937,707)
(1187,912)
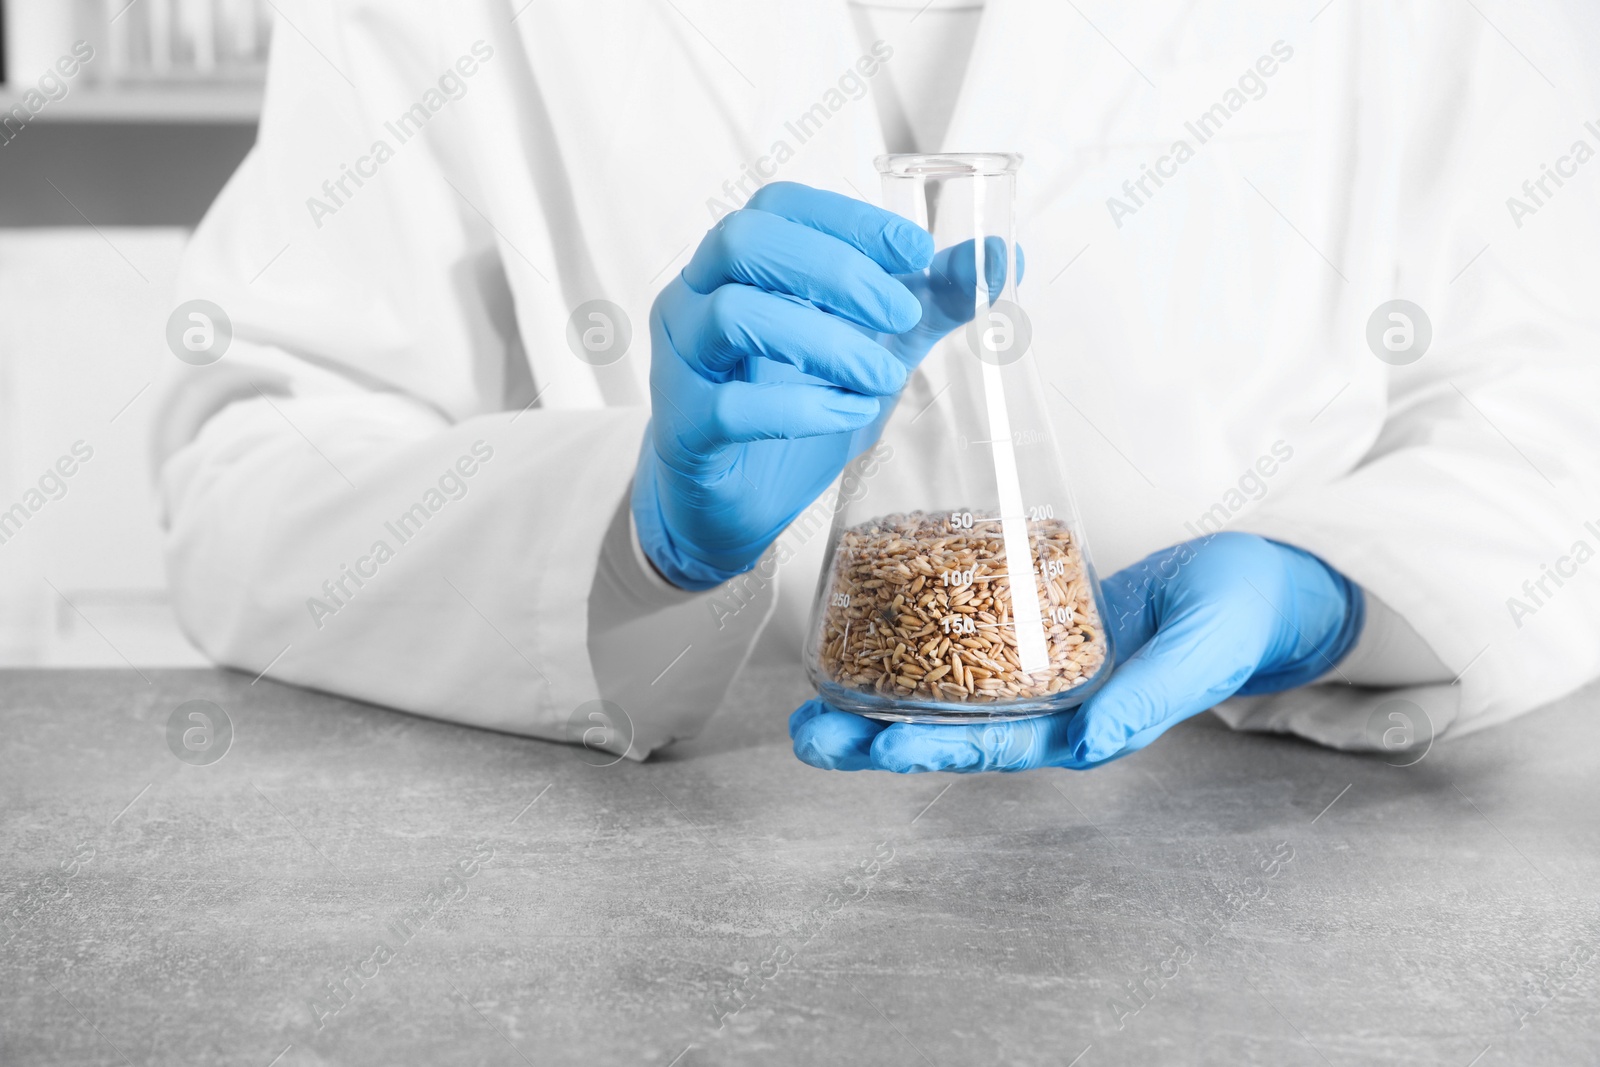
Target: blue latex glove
(775,357)
(1192,625)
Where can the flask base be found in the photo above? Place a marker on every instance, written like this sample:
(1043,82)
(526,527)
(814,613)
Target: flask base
(898,709)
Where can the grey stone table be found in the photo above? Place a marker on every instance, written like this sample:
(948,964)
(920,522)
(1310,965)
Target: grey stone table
(353,885)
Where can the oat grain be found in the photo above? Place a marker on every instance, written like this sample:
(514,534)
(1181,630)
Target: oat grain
(947,635)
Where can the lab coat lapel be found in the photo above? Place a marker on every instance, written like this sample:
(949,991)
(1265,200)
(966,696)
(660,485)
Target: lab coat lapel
(985,111)
(730,96)
(815,56)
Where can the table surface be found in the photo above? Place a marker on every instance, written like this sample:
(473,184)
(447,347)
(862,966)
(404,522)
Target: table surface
(1218,898)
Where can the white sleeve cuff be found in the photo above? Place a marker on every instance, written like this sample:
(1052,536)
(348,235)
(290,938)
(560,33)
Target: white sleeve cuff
(626,583)
(663,657)
(1388,654)
(1391,672)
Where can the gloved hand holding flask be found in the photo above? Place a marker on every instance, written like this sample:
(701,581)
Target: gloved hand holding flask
(775,354)
(966,611)
(1193,624)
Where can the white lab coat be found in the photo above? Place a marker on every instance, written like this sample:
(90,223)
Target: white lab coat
(1222,319)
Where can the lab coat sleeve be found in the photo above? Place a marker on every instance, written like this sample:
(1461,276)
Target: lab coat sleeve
(361,545)
(362,495)
(1476,513)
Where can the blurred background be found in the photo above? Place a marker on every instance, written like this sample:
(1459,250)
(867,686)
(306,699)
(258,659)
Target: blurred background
(120,120)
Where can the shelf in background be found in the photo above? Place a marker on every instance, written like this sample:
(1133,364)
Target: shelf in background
(211,104)
(118,172)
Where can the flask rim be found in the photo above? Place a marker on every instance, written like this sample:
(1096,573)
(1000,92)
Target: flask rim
(948,164)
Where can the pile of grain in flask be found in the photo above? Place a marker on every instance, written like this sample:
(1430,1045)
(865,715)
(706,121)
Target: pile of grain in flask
(920,611)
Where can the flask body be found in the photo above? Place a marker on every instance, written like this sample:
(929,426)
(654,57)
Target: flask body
(962,589)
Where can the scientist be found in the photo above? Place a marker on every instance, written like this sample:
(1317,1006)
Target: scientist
(548,322)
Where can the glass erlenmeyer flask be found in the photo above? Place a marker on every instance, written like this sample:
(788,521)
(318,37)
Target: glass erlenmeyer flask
(961,590)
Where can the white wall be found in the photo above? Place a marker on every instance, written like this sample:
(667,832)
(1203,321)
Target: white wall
(82,320)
